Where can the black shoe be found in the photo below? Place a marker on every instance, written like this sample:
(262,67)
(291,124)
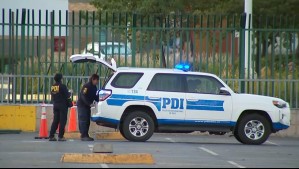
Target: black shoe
(52,139)
(87,139)
(61,139)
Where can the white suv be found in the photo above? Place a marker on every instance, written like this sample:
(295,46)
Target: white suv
(141,101)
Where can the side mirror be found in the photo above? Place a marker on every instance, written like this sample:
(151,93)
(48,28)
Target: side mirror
(224,91)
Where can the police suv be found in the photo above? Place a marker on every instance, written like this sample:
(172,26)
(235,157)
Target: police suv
(141,101)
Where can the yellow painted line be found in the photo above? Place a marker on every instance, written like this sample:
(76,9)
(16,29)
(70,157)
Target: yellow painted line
(109,136)
(108,158)
(18,118)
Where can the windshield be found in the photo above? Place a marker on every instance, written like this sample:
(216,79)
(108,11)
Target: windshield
(116,49)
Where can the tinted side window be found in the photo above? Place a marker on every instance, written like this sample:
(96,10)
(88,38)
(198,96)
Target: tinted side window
(203,84)
(167,83)
(126,80)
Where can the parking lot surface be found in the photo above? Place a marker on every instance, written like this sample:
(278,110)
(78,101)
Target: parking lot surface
(168,150)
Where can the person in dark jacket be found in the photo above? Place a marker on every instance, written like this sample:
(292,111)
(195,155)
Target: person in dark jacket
(60,96)
(87,96)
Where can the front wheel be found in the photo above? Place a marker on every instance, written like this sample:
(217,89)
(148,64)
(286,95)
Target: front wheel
(138,126)
(253,129)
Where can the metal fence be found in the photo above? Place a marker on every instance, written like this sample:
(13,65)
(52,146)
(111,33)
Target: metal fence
(37,87)
(36,44)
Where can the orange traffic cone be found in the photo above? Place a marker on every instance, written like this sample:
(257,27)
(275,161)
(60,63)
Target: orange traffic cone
(43,129)
(72,126)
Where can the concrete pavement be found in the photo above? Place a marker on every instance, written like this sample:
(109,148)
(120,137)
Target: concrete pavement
(168,150)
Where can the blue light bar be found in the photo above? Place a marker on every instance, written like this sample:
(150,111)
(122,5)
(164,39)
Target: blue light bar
(183,67)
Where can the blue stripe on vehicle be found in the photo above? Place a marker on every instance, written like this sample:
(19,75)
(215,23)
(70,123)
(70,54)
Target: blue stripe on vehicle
(195,122)
(117,102)
(130,97)
(155,101)
(206,103)
(157,104)
(279,126)
(209,105)
(104,120)
(208,108)
(120,100)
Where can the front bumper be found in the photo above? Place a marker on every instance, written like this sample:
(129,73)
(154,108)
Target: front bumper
(284,120)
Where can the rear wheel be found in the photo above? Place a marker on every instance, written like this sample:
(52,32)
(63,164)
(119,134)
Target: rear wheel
(253,129)
(138,126)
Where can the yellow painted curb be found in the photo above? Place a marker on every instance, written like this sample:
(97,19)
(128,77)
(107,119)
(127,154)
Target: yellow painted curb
(75,135)
(108,158)
(109,136)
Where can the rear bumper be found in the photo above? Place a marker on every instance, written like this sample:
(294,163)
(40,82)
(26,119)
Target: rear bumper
(106,122)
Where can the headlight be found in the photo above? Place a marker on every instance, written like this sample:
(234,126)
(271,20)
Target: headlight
(279,104)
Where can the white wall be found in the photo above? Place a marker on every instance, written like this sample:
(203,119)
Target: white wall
(35,5)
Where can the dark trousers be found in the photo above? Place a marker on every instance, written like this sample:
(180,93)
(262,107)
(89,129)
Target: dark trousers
(84,114)
(60,118)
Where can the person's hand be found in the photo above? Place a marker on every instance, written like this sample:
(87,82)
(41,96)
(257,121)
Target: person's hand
(93,104)
(71,91)
(98,93)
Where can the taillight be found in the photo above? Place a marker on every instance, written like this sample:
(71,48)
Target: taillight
(104,94)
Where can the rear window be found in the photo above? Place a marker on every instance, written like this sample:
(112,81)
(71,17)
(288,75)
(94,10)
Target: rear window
(126,80)
(167,83)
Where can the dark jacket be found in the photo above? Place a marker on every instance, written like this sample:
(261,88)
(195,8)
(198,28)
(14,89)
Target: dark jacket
(88,94)
(60,94)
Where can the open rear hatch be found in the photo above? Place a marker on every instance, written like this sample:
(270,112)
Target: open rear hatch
(83,58)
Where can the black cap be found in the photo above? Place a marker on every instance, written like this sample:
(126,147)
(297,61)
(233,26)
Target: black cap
(58,77)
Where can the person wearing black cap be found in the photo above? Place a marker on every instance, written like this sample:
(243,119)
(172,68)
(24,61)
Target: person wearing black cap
(87,96)
(60,96)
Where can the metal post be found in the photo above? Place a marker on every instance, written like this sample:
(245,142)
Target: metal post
(242,58)
(248,38)
(23,24)
(134,39)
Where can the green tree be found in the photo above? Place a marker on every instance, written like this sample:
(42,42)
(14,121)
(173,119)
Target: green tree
(266,14)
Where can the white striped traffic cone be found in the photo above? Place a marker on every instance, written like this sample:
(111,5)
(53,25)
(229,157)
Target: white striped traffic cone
(43,129)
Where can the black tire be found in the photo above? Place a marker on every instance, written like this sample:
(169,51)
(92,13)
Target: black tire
(237,137)
(253,137)
(142,134)
(122,132)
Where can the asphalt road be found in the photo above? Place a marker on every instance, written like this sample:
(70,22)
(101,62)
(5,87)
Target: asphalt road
(168,150)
